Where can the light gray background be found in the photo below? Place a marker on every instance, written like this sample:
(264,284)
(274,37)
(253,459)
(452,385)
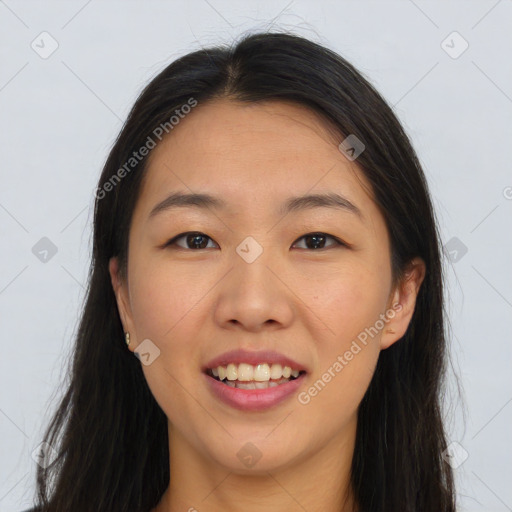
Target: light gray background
(60,115)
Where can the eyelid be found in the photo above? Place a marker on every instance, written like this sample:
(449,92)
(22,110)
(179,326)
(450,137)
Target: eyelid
(173,240)
(338,241)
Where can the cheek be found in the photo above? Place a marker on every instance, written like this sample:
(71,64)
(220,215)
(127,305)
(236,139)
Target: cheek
(165,306)
(350,303)
(164,300)
(330,401)
(349,300)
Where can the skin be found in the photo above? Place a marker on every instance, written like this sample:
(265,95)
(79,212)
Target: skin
(309,304)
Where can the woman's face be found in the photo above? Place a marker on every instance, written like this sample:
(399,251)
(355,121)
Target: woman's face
(251,280)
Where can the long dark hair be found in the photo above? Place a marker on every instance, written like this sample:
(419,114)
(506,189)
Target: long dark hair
(109,433)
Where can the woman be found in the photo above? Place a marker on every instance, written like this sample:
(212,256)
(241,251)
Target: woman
(266,246)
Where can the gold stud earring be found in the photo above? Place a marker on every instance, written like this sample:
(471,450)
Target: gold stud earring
(127,338)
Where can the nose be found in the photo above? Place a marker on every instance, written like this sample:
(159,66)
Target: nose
(254,296)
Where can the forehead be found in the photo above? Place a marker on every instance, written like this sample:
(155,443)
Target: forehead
(252,154)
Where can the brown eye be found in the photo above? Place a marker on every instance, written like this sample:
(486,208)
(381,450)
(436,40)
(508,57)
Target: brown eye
(317,241)
(195,240)
(192,240)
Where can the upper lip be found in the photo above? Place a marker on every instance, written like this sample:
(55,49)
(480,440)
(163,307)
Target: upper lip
(253,357)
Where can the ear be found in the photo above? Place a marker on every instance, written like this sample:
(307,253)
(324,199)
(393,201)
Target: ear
(403,301)
(122,297)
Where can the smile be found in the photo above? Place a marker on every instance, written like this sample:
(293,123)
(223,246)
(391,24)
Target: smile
(259,376)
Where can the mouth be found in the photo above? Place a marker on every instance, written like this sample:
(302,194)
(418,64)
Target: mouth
(259,376)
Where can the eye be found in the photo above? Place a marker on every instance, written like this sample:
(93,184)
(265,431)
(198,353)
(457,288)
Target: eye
(316,241)
(192,240)
(197,240)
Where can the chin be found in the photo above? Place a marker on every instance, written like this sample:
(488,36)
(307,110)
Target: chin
(256,454)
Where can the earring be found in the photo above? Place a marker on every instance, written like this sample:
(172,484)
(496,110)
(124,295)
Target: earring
(127,338)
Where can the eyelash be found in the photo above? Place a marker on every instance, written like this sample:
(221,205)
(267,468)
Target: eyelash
(173,241)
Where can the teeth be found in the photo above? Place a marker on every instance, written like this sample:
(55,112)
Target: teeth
(245,372)
(231,372)
(245,385)
(255,385)
(260,373)
(276,371)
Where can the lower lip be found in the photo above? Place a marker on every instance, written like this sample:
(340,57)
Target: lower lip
(253,399)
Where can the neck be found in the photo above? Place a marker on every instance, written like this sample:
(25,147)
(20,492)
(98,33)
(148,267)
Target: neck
(317,482)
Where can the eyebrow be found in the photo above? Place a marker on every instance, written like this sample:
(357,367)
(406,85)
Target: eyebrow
(293,204)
